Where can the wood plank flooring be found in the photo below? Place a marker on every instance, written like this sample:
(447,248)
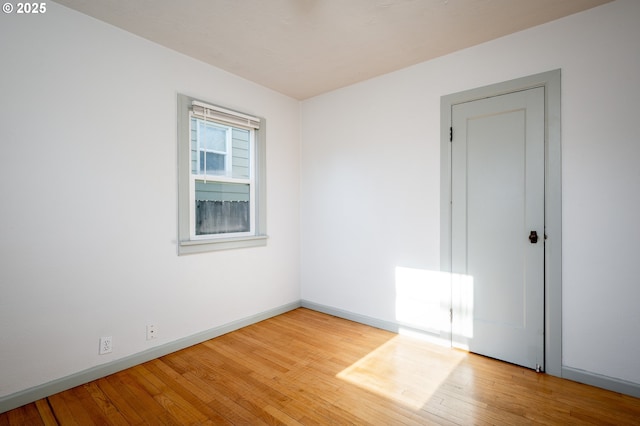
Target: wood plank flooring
(308,368)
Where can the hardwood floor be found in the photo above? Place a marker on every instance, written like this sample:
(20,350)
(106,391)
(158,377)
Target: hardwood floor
(304,367)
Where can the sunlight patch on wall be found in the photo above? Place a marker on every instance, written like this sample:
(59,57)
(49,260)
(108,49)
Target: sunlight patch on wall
(438,303)
(422,299)
(462,293)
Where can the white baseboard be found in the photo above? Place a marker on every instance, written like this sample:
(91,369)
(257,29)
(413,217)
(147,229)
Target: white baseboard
(392,326)
(35,393)
(362,319)
(600,381)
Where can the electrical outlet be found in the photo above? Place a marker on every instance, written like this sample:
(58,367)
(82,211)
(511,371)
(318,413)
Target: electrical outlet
(106,345)
(151,332)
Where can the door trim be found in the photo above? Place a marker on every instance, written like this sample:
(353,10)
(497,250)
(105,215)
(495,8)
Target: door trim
(553,197)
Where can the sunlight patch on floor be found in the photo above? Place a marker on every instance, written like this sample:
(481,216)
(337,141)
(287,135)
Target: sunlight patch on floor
(404,369)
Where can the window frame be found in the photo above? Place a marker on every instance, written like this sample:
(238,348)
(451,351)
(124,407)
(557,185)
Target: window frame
(188,242)
(227,177)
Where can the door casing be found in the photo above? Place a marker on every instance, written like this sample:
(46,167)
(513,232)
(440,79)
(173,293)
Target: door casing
(550,81)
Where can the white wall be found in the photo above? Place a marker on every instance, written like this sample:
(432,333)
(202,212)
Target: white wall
(88,199)
(370,179)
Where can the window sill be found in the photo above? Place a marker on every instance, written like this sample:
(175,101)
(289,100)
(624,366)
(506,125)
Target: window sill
(202,246)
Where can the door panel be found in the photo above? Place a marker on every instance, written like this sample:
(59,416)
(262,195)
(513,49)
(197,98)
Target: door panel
(497,199)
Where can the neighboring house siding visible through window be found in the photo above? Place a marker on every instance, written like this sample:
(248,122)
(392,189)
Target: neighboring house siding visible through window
(221,180)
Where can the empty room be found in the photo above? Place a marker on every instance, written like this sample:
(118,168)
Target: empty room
(296,212)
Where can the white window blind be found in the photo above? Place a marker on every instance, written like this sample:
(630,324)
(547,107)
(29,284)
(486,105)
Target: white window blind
(210,112)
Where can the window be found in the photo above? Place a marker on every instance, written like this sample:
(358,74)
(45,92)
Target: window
(221,178)
(211,141)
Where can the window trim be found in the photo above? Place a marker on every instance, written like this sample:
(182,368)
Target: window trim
(186,244)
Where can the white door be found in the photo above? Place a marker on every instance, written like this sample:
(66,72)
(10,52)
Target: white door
(497,178)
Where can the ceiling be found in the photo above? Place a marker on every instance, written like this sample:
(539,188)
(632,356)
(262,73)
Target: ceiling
(303,48)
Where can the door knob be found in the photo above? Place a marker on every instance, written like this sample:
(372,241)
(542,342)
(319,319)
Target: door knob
(533,237)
